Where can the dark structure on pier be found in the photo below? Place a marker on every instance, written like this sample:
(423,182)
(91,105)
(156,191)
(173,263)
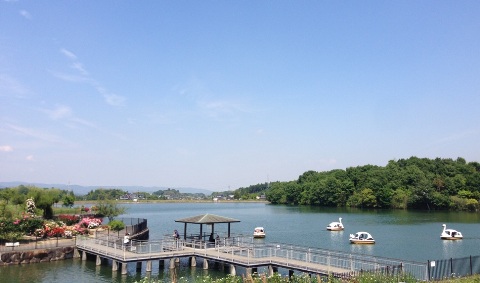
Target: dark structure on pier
(208,219)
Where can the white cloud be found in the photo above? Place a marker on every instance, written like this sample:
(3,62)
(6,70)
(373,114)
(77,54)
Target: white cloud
(26,14)
(34,134)
(29,158)
(221,109)
(83,76)
(63,112)
(11,85)
(6,148)
(70,78)
(79,67)
(60,112)
(69,54)
(114,100)
(110,98)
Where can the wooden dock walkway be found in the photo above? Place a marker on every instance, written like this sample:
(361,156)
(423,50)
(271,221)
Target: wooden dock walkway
(242,252)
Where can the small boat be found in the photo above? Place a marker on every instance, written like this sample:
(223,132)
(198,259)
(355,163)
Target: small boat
(336,226)
(450,234)
(361,238)
(259,232)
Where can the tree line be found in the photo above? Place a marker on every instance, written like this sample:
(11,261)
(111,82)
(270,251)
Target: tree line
(44,199)
(419,183)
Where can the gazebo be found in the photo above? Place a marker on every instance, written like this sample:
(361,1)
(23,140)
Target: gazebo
(208,219)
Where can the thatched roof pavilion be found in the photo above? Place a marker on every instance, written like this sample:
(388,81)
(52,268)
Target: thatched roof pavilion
(208,219)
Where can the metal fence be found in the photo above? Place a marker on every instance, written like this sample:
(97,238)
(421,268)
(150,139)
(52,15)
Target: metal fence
(134,225)
(453,267)
(243,251)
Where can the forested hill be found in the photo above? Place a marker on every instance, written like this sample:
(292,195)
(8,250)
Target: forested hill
(419,183)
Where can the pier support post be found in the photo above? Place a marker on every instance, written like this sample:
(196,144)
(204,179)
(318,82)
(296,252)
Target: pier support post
(76,253)
(124,268)
(148,268)
(84,255)
(177,259)
(205,263)
(272,270)
(172,263)
(233,272)
(193,261)
(248,271)
(98,261)
(114,265)
(161,264)
(139,265)
(254,270)
(290,273)
(319,278)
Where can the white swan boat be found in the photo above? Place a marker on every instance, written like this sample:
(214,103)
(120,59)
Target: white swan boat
(361,238)
(336,226)
(259,232)
(450,234)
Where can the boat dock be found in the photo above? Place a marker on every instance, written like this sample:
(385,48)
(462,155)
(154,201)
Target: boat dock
(240,252)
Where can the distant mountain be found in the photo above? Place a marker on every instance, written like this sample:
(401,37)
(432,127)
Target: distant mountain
(83,190)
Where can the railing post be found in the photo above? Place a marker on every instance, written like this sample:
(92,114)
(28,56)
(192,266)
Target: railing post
(351,263)
(471,269)
(451,267)
(428,270)
(328,262)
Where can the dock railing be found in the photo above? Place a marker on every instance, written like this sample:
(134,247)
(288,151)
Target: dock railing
(243,251)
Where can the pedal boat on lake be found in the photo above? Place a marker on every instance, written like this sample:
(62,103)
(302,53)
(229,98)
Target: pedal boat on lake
(259,232)
(450,234)
(336,226)
(361,238)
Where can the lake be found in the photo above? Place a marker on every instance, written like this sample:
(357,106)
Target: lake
(407,235)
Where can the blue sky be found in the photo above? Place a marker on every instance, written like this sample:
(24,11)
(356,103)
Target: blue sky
(227,94)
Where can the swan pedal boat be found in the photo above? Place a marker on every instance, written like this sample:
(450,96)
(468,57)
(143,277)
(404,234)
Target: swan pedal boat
(450,234)
(361,238)
(259,232)
(336,226)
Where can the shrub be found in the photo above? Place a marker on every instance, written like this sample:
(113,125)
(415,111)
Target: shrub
(90,222)
(31,224)
(69,219)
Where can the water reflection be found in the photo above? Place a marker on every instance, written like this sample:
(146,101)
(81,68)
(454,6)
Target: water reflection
(362,249)
(450,247)
(337,238)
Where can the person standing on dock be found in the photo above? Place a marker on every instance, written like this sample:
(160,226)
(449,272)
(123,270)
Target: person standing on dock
(126,239)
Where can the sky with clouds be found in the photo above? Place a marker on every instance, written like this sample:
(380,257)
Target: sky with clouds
(226,94)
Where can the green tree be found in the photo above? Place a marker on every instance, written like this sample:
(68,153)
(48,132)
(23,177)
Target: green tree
(69,200)
(400,199)
(116,225)
(109,209)
(276,193)
(363,199)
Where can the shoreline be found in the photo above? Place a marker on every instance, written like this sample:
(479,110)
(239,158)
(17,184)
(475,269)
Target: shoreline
(174,201)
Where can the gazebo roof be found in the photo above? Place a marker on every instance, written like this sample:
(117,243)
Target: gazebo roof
(207,219)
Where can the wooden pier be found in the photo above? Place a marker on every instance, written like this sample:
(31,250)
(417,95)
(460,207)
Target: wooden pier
(238,251)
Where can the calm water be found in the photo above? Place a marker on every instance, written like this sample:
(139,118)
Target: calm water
(404,235)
